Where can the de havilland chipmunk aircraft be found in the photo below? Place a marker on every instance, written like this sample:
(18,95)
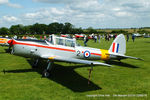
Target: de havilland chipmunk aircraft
(67,50)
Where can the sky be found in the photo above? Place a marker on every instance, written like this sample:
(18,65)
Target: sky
(80,13)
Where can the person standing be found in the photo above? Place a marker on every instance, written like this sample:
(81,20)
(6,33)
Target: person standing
(15,37)
(40,37)
(95,38)
(109,36)
(127,37)
(86,39)
(45,37)
(133,37)
(99,37)
(114,36)
(106,37)
(103,36)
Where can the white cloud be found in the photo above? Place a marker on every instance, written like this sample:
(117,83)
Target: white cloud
(10,18)
(116,9)
(3,1)
(14,5)
(7,3)
(86,13)
(57,1)
(31,15)
(56,11)
(124,14)
(7,21)
(44,15)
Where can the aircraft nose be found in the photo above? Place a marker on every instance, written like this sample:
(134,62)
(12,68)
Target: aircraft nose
(10,42)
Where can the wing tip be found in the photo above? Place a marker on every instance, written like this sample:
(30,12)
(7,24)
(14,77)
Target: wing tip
(140,59)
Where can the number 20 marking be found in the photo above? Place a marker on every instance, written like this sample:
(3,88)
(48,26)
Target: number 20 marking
(78,53)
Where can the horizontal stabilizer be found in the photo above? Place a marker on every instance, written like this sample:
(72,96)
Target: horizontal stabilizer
(133,57)
(120,56)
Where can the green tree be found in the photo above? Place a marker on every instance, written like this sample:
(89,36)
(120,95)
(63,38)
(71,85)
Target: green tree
(90,30)
(55,28)
(4,30)
(77,30)
(38,28)
(119,31)
(16,29)
(68,28)
(27,29)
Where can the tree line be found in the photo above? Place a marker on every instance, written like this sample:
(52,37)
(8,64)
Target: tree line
(53,28)
(59,28)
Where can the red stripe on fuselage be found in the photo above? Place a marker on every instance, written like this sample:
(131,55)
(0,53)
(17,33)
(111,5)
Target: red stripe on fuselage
(97,54)
(113,49)
(63,49)
(49,47)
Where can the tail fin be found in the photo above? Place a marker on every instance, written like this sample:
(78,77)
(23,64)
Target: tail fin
(118,45)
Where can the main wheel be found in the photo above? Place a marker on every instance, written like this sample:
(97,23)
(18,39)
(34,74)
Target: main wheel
(45,73)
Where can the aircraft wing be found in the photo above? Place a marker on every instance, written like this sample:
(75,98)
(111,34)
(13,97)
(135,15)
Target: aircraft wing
(74,60)
(124,56)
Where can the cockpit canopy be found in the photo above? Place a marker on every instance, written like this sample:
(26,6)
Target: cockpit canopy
(62,41)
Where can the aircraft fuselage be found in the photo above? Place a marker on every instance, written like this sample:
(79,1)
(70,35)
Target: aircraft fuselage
(37,49)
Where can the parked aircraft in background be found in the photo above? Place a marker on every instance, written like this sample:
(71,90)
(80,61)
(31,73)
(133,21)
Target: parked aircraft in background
(67,50)
(146,35)
(137,35)
(79,35)
(4,40)
(64,35)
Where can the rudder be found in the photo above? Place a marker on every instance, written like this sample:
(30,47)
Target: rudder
(118,45)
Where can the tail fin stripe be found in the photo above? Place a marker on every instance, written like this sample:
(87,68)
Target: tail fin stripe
(117,48)
(113,50)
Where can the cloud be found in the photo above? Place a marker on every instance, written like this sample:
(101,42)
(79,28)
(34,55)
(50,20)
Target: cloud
(46,15)
(10,18)
(31,15)
(124,14)
(86,13)
(7,21)
(14,5)
(57,1)
(3,2)
(56,11)
(7,3)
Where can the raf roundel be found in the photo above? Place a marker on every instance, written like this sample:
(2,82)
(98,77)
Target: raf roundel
(87,54)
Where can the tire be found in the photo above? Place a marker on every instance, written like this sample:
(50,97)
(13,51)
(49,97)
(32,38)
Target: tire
(45,73)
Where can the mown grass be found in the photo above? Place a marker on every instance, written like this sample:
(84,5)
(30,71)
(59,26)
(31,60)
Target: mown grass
(70,81)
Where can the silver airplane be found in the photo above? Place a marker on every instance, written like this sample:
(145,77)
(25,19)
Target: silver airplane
(67,50)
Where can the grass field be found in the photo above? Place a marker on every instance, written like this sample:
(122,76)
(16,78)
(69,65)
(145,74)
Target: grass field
(69,81)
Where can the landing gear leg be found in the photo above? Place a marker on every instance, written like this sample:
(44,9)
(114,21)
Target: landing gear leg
(119,60)
(47,70)
(35,63)
(90,71)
